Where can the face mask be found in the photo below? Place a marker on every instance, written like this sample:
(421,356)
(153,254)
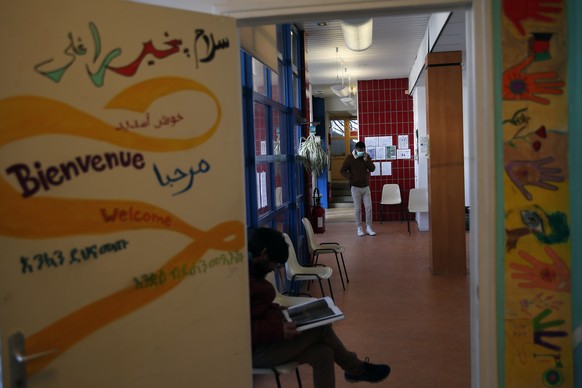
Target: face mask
(360,153)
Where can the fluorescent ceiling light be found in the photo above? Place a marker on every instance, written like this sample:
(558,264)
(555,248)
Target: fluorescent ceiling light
(357,34)
(340,90)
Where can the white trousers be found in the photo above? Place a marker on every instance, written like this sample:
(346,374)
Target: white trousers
(360,194)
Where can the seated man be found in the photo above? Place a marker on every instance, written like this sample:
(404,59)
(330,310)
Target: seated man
(276,341)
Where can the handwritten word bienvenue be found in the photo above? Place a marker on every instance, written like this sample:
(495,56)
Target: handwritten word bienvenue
(203,167)
(32,181)
(204,47)
(158,278)
(43,260)
(132,215)
(146,123)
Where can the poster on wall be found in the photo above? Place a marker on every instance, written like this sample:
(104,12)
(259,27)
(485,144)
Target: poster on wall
(537,318)
(119,124)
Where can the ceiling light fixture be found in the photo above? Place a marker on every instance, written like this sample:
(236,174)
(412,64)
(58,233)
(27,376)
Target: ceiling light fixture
(357,33)
(340,90)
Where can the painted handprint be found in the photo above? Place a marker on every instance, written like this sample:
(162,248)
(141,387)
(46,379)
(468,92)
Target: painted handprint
(519,10)
(517,85)
(533,173)
(553,277)
(540,330)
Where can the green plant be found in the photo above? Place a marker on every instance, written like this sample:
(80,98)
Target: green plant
(312,155)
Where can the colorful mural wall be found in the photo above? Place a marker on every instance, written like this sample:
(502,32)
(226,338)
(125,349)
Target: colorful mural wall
(537,261)
(118,127)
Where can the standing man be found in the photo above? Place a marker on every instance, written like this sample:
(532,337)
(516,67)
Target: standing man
(356,168)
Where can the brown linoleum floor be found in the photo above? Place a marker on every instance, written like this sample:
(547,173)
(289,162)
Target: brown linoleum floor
(396,311)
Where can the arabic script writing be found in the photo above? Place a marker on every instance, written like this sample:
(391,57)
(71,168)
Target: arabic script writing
(203,167)
(163,121)
(205,47)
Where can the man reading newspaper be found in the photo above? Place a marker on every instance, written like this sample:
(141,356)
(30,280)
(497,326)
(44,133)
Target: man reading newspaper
(276,341)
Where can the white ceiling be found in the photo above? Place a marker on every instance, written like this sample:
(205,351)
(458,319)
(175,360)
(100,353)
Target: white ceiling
(396,40)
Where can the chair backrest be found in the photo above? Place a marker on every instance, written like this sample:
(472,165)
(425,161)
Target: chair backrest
(271,279)
(292,265)
(391,194)
(418,201)
(311,243)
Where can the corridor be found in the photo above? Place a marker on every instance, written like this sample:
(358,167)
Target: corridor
(396,311)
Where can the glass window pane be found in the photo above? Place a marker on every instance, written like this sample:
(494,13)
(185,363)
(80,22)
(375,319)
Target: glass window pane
(296,91)
(260,115)
(294,49)
(275,82)
(338,147)
(337,128)
(279,89)
(259,77)
(281,182)
(279,133)
(282,223)
(263,189)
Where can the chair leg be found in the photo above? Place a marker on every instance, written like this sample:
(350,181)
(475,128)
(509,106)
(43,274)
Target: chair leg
(298,377)
(277,379)
(344,264)
(408,222)
(338,268)
(380,213)
(330,289)
(340,271)
(321,287)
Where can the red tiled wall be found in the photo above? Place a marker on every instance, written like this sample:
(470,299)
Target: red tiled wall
(384,109)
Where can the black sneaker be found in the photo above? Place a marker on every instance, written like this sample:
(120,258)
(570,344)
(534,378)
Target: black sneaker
(372,373)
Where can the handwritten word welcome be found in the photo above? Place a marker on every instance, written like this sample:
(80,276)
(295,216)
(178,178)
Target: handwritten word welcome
(158,278)
(58,258)
(32,181)
(134,215)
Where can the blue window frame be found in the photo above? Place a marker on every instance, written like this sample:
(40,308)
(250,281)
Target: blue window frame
(271,110)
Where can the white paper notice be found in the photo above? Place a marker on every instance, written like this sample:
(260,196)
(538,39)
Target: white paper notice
(403,154)
(264,189)
(384,141)
(372,152)
(376,172)
(371,141)
(423,144)
(380,153)
(402,141)
(263,147)
(386,168)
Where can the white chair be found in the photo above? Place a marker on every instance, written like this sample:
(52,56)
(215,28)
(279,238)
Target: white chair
(297,272)
(391,196)
(285,300)
(417,203)
(315,249)
(279,370)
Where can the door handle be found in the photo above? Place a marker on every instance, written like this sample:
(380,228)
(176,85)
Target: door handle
(18,358)
(25,358)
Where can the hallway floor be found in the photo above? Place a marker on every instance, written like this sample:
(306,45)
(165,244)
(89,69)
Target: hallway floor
(396,311)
